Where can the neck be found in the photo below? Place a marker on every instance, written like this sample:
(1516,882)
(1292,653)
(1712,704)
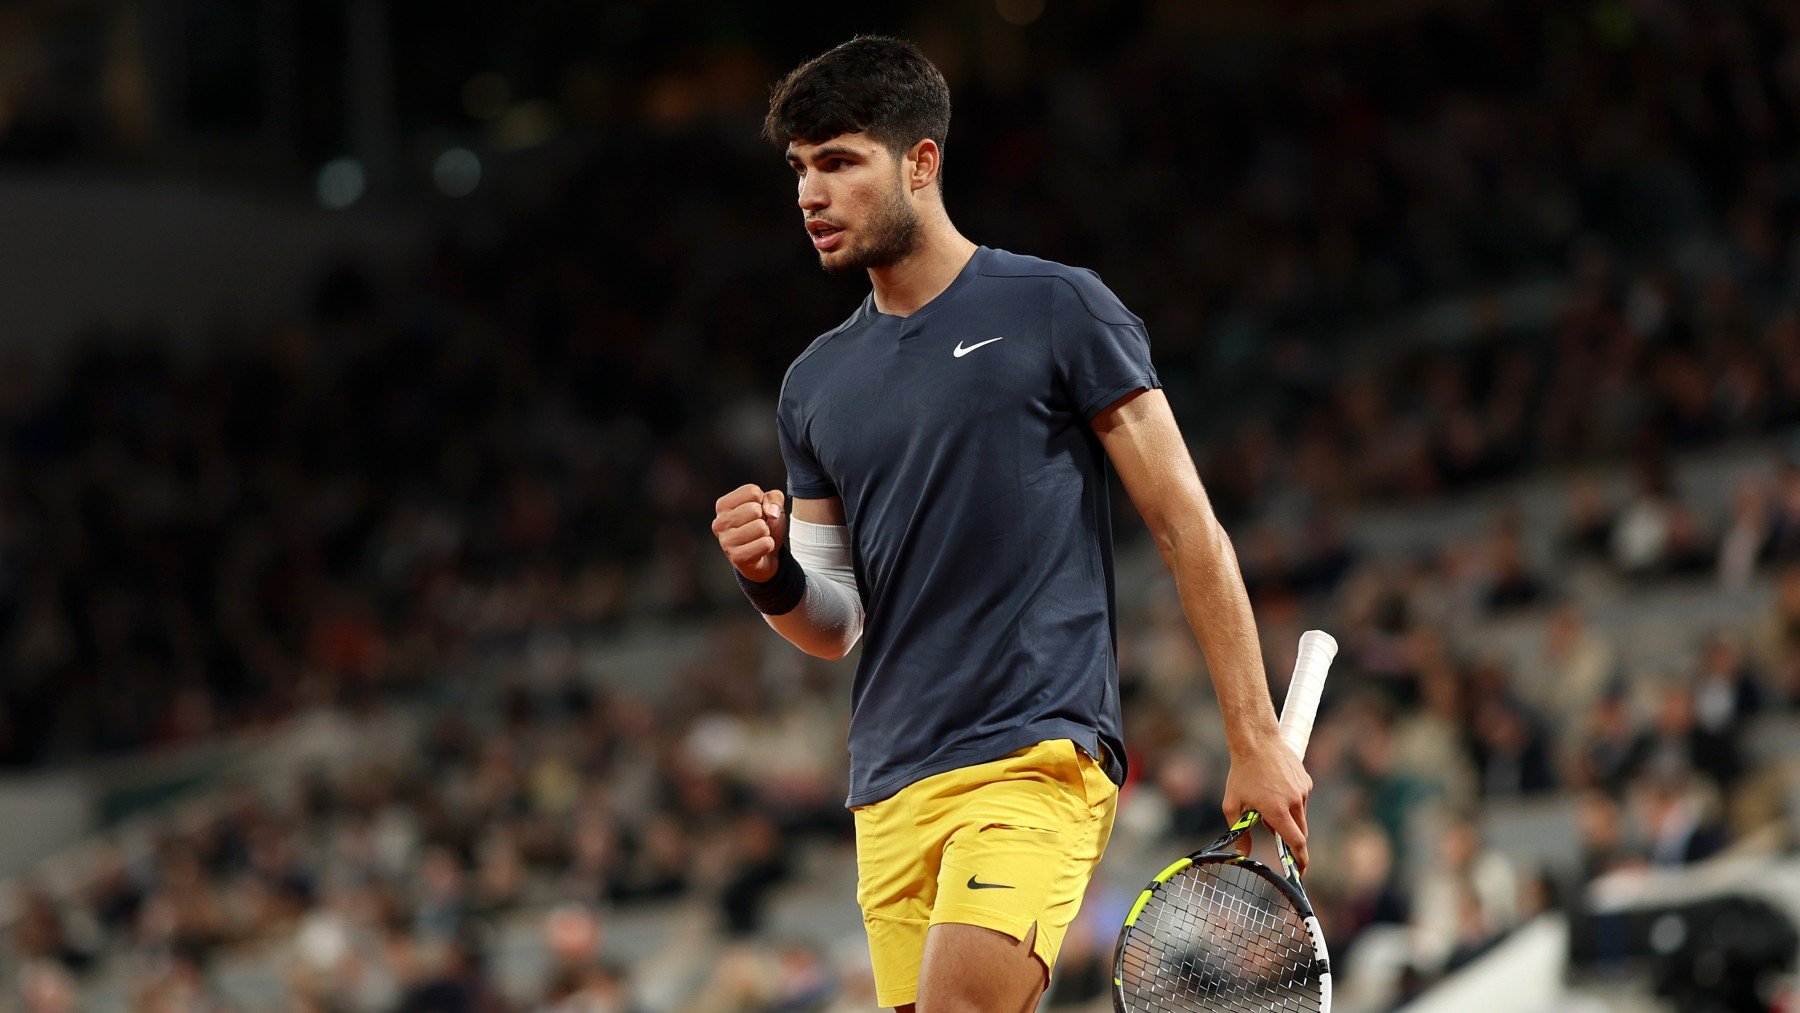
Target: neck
(902,287)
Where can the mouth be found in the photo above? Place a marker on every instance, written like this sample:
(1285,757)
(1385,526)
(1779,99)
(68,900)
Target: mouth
(825,236)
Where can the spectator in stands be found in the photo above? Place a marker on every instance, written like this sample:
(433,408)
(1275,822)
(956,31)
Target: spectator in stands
(1748,540)
(450,976)
(1779,637)
(1588,520)
(1429,743)
(1606,746)
(1369,895)
(1728,690)
(1511,584)
(1573,668)
(572,936)
(1680,819)
(1512,756)
(602,987)
(1643,541)
(760,861)
(1675,745)
(1604,846)
(49,987)
(1468,897)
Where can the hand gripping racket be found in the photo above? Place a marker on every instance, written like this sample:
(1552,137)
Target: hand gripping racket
(1218,931)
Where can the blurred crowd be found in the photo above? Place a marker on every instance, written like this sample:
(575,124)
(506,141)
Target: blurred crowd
(386,881)
(529,429)
(523,439)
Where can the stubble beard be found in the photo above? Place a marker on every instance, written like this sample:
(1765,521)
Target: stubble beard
(892,233)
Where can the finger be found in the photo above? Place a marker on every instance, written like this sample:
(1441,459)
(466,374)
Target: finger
(735,517)
(742,494)
(1233,808)
(1234,811)
(1281,821)
(745,535)
(744,555)
(1284,826)
(743,513)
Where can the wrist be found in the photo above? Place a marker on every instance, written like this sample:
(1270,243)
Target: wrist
(782,591)
(1252,738)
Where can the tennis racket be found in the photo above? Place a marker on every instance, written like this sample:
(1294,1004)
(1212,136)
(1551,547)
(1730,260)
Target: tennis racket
(1218,931)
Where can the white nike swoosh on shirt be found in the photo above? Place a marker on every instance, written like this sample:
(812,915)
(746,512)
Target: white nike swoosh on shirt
(961,351)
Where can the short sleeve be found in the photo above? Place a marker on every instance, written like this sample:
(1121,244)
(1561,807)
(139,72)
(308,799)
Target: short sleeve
(1102,351)
(806,479)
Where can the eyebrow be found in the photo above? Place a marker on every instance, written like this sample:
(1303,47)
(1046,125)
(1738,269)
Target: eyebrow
(829,151)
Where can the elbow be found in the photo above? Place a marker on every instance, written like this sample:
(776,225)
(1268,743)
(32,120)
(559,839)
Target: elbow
(1171,533)
(832,652)
(1198,537)
(830,649)
(844,646)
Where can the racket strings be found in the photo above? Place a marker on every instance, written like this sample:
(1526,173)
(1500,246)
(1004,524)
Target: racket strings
(1218,937)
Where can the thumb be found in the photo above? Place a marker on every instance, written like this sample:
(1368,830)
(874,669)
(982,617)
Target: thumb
(775,512)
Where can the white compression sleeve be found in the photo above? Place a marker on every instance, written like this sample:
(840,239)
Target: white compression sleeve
(829,619)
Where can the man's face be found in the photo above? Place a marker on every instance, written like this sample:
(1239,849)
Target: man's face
(858,210)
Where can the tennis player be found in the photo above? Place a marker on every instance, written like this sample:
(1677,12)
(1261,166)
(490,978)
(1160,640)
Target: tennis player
(946,449)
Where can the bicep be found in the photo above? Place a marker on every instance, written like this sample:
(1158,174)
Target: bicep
(1144,443)
(829,510)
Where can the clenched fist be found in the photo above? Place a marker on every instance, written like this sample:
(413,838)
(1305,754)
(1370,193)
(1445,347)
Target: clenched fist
(751,526)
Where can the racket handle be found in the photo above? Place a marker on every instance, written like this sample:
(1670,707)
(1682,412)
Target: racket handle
(1317,648)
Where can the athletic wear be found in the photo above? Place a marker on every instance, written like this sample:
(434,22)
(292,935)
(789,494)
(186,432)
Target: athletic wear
(976,498)
(1006,845)
(828,619)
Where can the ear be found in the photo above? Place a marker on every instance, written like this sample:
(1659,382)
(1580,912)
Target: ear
(923,163)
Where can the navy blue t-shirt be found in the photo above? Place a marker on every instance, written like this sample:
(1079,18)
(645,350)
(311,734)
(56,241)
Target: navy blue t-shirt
(976,497)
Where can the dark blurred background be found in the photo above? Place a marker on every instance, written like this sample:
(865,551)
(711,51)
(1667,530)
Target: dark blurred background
(369,370)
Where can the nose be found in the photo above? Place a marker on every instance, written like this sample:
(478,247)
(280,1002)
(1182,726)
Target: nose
(812,193)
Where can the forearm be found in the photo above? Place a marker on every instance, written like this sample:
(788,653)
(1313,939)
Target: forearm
(826,624)
(828,620)
(1199,554)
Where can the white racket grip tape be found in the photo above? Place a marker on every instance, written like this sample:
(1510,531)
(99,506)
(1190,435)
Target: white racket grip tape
(1317,648)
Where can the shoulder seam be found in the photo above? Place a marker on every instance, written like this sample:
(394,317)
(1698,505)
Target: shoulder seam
(1081,297)
(817,343)
(1061,272)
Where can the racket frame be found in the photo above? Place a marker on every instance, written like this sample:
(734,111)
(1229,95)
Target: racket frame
(1222,852)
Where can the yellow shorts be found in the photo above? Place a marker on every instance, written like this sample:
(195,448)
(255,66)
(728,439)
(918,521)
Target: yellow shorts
(1005,845)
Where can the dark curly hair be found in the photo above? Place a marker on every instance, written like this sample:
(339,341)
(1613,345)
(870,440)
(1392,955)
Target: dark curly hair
(872,83)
